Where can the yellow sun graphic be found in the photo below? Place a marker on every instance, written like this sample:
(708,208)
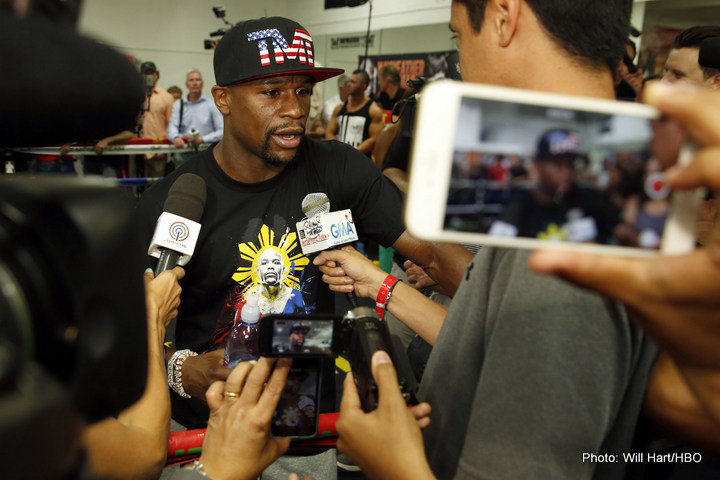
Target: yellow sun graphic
(266,240)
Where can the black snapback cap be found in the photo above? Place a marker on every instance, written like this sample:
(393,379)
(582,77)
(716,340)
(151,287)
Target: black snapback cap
(266,47)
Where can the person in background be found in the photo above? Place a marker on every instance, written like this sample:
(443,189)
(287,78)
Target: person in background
(175,91)
(390,90)
(334,101)
(159,105)
(195,117)
(358,121)
(682,62)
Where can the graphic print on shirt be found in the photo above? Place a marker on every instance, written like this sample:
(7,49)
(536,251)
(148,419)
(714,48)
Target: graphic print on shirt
(350,129)
(271,269)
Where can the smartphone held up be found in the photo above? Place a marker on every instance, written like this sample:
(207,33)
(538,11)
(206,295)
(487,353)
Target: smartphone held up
(527,169)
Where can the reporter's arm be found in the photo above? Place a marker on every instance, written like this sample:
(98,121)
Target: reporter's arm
(238,443)
(347,270)
(445,263)
(134,446)
(674,408)
(387,442)
(398,177)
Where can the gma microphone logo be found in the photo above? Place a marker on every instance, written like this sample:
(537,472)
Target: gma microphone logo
(179,231)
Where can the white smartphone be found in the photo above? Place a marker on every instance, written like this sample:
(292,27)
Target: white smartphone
(516,168)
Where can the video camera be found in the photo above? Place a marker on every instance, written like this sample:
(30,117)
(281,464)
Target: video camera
(219,12)
(356,336)
(73,334)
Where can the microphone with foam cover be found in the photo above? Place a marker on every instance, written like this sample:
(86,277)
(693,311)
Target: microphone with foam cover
(178,226)
(709,56)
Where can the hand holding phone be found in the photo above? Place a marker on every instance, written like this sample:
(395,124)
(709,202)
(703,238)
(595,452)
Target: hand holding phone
(527,169)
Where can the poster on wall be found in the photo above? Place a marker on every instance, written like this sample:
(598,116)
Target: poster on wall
(430,66)
(656,44)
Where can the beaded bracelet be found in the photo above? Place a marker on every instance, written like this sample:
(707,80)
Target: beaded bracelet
(174,371)
(383,296)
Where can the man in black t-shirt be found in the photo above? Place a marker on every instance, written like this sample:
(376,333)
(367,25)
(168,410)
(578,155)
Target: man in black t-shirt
(556,207)
(390,90)
(257,177)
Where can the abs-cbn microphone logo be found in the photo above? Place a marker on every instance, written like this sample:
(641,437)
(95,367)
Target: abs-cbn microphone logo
(179,231)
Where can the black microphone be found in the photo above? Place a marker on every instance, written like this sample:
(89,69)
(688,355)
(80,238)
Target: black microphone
(709,56)
(149,84)
(315,204)
(178,227)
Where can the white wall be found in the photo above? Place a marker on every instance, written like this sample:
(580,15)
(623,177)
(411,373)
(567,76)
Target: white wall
(168,32)
(385,14)
(171,32)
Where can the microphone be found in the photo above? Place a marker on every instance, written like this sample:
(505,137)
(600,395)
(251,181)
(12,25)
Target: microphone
(323,229)
(149,84)
(178,227)
(709,56)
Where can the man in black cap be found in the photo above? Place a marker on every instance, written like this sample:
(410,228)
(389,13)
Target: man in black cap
(257,177)
(297,336)
(557,208)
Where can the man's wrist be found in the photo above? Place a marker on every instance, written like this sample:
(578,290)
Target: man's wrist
(175,371)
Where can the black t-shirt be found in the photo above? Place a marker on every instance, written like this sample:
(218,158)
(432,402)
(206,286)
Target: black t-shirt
(386,102)
(581,212)
(241,221)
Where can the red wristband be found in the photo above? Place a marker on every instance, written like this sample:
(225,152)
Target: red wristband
(384,294)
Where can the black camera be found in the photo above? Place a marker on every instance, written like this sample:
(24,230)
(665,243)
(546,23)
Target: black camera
(73,334)
(355,336)
(219,11)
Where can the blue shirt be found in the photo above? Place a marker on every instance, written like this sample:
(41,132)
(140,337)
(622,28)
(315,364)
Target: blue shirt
(201,115)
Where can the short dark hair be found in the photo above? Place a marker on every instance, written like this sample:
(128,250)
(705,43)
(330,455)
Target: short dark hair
(592,31)
(364,77)
(391,72)
(692,38)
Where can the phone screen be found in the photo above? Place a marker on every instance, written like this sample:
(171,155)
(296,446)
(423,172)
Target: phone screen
(296,414)
(302,336)
(539,172)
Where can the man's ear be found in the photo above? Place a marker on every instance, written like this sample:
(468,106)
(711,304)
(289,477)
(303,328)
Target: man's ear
(222,100)
(716,81)
(505,19)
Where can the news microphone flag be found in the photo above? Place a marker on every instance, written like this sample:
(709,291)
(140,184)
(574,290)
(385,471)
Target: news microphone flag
(322,229)
(178,227)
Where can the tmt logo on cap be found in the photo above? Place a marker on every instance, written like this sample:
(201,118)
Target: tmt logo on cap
(243,54)
(301,47)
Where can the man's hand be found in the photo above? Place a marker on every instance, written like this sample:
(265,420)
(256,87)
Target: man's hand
(179,142)
(101,146)
(420,280)
(200,371)
(162,294)
(388,439)
(675,299)
(347,269)
(238,443)
(197,141)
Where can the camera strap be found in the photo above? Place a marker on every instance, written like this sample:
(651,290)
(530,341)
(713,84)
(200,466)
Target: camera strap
(182,105)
